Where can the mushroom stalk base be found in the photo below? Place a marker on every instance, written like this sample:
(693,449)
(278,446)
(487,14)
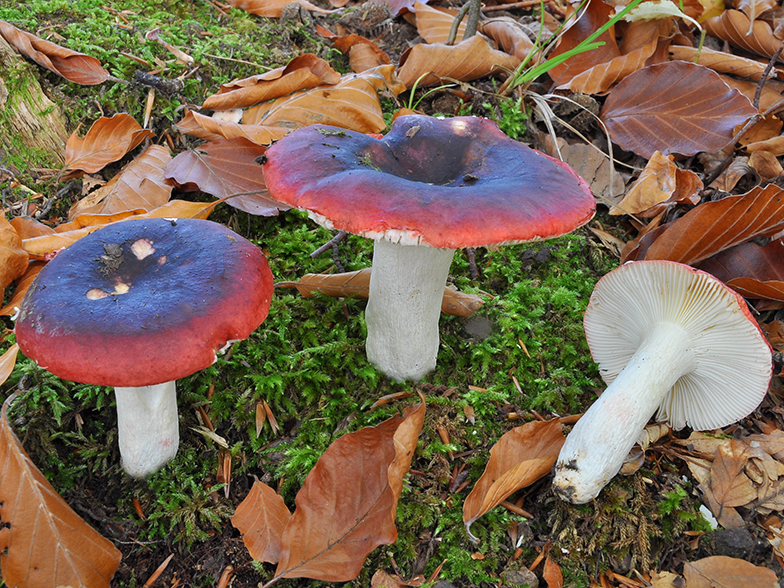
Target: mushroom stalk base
(598,445)
(404,306)
(148,427)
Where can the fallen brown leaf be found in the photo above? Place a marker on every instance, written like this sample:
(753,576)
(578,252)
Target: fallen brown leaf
(353,104)
(272,8)
(335,526)
(72,65)
(22,285)
(226,168)
(712,227)
(734,27)
(674,107)
(108,140)
(357,284)
(434,24)
(303,72)
(140,185)
(518,459)
(261,518)
(44,542)
(429,64)
(727,572)
(13,257)
(211,129)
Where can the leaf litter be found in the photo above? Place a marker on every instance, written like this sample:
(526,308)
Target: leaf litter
(737,234)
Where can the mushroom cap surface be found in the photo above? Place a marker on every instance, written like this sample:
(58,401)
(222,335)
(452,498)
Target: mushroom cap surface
(451,183)
(142,302)
(734,364)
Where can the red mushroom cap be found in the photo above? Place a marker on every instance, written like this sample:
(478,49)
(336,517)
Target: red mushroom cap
(452,183)
(143,302)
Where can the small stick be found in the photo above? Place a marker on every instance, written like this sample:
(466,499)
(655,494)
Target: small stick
(329,244)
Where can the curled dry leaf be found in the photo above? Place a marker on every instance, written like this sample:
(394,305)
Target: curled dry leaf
(227,169)
(521,456)
(22,285)
(660,183)
(727,572)
(44,542)
(734,26)
(261,518)
(208,128)
(510,35)
(750,269)
(303,72)
(13,257)
(108,140)
(347,505)
(357,284)
(674,107)
(712,227)
(468,60)
(433,25)
(351,104)
(73,66)
(363,54)
(140,185)
(722,62)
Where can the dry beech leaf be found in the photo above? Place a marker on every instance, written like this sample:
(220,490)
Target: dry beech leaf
(722,62)
(518,459)
(208,128)
(357,284)
(351,104)
(227,169)
(261,518)
(303,72)
(774,146)
(712,227)
(363,54)
(337,523)
(468,60)
(27,227)
(45,246)
(108,140)
(433,25)
(510,35)
(660,183)
(73,66)
(766,165)
(728,484)
(603,76)
(382,579)
(674,107)
(272,8)
(727,572)
(771,91)
(22,285)
(766,129)
(140,185)
(44,542)
(596,14)
(733,26)
(752,270)
(13,257)
(552,574)
(754,8)
(592,165)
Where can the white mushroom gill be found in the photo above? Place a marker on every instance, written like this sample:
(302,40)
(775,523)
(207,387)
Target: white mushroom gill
(404,307)
(148,427)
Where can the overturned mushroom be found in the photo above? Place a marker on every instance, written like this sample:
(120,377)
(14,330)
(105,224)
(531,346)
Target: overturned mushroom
(666,337)
(137,305)
(427,188)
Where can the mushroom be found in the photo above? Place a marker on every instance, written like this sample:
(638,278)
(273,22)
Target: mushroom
(427,188)
(669,337)
(137,305)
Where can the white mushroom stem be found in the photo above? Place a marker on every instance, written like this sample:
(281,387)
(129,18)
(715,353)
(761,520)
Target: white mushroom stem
(596,448)
(149,431)
(404,306)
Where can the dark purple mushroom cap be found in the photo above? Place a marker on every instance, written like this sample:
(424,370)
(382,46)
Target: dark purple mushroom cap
(452,183)
(143,302)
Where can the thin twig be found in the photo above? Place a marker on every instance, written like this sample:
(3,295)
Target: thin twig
(524,4)
(765,75)
(328,245)
(456,23)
